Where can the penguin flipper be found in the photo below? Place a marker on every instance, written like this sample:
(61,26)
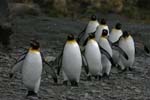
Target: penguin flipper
(86,40)
(15,68)
(103,51)
(59,63)
(81,34)
(18,64)
(146,49)
(110,42)
(85,65)
(121,51)
(115,43)
(51,71)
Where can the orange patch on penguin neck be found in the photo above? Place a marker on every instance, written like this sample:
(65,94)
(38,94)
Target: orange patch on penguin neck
(34,50)
(104,37)
(71,41)
(128,37)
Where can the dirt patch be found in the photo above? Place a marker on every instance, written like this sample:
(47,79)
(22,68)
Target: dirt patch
(51,32)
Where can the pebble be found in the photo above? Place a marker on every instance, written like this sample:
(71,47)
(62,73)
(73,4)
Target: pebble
(137,90)
(50,58)
(106,88)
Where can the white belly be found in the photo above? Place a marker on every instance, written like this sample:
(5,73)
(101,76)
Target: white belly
(72,61)
(128,46)
(93,57)
(91,27)
(32,69)
(115,35)
(103,42)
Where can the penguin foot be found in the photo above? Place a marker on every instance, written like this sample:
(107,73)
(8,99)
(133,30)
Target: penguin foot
(32,95)
(96,77)
(106,76)
(89,78)
(74,83)
(55,80)
(99,77)
(131,69)
(65,83)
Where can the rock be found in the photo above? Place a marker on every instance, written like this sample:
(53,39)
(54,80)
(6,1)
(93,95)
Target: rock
(106,88)
(86,95)
(118,87)
(116,5)
(21,9)
(103,84)
(137,90)
(60,6)
(49,58)
(130,76)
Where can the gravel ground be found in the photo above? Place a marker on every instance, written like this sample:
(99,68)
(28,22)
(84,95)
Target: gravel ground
(52,32)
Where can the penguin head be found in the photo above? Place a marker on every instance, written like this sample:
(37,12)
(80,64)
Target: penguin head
(104,33)
(125,34)
(103,21)
(35,45)
(91,36)
(93,17)
(118,26)
(70,37)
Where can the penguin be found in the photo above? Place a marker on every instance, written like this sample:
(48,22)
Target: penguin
(126,43)
(93,57)
(116,33)
(31,65)
(104,44)
(102,25)
(71,61)
(90,28)
(146,49)
(114,36)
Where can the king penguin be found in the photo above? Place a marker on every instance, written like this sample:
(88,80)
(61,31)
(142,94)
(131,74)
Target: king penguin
(104,44)
(93,57)
(71,61)
(126,43)
(90,28)
(103,25)
(116,33)
(30,63)
(114,36)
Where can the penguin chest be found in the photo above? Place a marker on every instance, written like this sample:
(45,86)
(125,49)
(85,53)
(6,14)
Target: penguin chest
(103,42)
(93,57)
(128,46)
(115,35)
(32,68)
(92,25)
(72,61)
